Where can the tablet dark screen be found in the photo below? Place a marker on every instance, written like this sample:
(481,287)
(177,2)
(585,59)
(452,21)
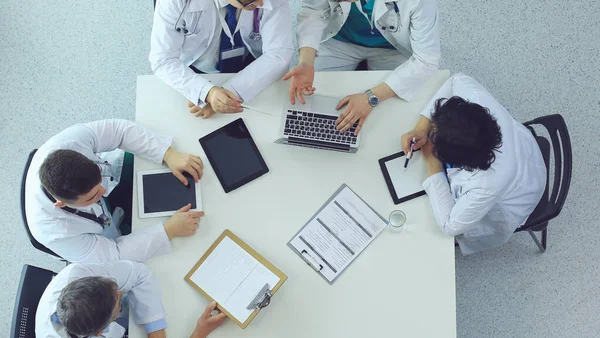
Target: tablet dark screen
(164,192)
(233,155)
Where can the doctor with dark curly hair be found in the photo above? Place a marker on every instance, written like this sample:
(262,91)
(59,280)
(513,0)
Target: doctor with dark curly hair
(486,172)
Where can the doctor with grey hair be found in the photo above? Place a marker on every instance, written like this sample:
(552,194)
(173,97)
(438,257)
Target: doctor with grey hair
(84,300)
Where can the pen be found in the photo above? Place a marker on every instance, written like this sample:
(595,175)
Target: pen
(256,110)
(409,155)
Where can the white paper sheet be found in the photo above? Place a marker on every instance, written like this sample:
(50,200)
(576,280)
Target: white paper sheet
(338,234)
(233,278)
(409,180)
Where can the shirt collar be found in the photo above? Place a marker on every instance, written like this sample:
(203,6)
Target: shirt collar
(95,208)
(266,4)
(55,320)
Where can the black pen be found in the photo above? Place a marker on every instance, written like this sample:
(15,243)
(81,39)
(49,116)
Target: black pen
(409,156)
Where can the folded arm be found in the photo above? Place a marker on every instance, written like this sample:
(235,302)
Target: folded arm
(456,217)
(93,248)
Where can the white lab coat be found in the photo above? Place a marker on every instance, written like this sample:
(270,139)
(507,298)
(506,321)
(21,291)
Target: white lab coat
(171,53)
(133,279)
(483,208)
(75,238)
(417,35)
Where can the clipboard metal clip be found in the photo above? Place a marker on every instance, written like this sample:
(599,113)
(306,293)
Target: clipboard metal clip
(262,299)
(305,255)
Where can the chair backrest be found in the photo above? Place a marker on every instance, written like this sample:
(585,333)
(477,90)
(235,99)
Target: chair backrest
(33,241)
(33,282)
(553,200)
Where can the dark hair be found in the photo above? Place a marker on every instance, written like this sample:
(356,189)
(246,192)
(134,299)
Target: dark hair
(464,134)
(86,305)
(67,174)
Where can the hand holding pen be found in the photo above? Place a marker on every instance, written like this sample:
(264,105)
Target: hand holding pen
(416,138)
(410,153)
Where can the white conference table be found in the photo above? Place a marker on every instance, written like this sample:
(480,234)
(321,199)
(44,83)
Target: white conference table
(402,285)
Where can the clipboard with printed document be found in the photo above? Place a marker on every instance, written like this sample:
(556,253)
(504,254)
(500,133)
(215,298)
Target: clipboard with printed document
(235,276)
(336,235)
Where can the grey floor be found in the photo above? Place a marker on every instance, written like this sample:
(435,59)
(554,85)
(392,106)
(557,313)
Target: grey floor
(63,62)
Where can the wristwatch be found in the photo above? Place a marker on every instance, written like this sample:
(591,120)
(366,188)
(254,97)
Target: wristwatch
(373,100)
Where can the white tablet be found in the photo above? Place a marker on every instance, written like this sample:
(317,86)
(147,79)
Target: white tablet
(160,193)
(404,183)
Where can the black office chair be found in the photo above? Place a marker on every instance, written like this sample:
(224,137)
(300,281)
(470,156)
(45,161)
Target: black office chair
(552,202)
(33,241)
(33,282)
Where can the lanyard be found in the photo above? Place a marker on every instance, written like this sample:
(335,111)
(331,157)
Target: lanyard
(225,28)
(103,220)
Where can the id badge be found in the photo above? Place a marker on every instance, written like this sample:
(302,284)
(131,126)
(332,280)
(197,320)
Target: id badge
(232,60)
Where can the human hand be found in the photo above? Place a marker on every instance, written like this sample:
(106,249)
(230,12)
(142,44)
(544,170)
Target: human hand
(183,222)
(180,162)
(204,113)
(420,140)
(223,101)
(207,323)
(357,109)
(303,76)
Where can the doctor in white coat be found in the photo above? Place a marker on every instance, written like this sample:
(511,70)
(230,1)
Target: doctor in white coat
(84,300)
(336,35)
(250,37)
(91,234)
(486,173)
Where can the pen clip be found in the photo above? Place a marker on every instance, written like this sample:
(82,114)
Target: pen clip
(314,266)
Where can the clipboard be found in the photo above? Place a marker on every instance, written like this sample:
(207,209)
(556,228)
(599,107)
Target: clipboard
(389,181)
(306,257)
(259,298)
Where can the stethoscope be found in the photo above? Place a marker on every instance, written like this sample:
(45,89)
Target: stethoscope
(254,34)
(102,220)
(182,29)
(394,29)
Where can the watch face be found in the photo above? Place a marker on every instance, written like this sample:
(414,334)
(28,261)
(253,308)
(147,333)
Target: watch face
(373,101)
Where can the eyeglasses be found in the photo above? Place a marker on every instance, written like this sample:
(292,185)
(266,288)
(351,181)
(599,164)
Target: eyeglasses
(246,3)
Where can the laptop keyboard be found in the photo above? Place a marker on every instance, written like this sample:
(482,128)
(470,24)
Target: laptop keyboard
(314,126)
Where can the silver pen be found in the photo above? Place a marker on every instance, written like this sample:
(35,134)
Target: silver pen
(254,109)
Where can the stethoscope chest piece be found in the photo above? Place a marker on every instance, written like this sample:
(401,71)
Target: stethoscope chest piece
(255,36)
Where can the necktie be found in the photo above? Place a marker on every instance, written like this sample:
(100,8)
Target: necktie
(236,64)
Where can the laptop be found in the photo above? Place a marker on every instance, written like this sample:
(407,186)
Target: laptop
(313,125)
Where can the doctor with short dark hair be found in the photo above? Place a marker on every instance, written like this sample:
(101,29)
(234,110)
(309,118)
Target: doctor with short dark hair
(79,189)
(252,38)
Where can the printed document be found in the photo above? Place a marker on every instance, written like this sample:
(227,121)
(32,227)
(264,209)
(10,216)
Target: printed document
(338,233)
